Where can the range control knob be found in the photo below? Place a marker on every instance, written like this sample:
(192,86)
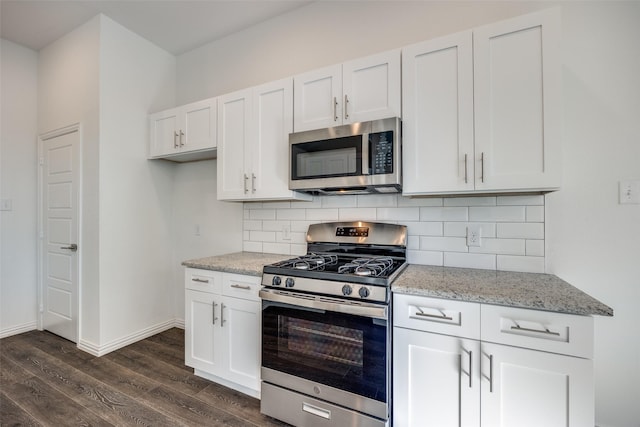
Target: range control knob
(276,281)
(289,282)
(363,292)
(346,290)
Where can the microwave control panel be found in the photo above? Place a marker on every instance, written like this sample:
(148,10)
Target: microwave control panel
(381,146)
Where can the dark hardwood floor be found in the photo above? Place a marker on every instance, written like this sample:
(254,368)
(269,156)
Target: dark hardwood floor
(46,381)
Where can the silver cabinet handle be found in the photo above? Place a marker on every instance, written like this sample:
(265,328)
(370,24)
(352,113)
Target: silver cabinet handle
(482,167)
(466,180)
(181,138)
(213,310)
(539,331)
(72,247)
(246,189)
(440,316)
(470,367)
(491,373)
(175,140)
(346,103)
(245,287)
(335,109)
(197,279)
(221,315)
(253,183)
(320,412)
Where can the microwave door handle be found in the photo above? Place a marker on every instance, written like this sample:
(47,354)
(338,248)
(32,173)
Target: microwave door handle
(366,169)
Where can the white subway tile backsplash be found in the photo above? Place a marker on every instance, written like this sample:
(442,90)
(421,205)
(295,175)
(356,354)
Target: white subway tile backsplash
(398,214)
(291,214)
(500,246)
(535,247)
(535,214)
(417,228)
(377,201)
(520,230)
(528,264)
(497,213)
(447,244)
(339,202)
(470,201)
(319,215)
(355,214)
(512,227)
(534,199)
(424,257)
(457,213)
(470,260)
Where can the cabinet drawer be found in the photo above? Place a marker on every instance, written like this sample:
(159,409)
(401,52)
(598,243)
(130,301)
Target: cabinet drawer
(442,316)
(539,330)
(203,280)
(241,286)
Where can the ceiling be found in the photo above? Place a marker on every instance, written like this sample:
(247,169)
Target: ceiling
(174,25)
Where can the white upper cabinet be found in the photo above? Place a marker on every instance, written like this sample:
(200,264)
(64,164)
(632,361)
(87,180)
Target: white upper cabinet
(482,109)
(356,91)
(184,133)
(253,148)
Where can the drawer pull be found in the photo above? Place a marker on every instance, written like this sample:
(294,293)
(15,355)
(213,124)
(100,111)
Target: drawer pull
(545,331)
(197,279)
(320,412)
(441,316)
(245,287)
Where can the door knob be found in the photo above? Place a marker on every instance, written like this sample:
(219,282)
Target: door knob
(72,247)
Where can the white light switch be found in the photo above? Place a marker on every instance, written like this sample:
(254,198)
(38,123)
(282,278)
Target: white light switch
(629,192)
(6,205)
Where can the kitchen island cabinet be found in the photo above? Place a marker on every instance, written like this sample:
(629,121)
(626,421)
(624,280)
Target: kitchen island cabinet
(355,91)
(223,328)
(482,110)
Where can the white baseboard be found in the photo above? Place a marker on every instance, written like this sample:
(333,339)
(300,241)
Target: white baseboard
(101,350)
(26,327)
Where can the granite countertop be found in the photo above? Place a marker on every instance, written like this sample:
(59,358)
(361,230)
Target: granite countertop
(514,289)
(247,263)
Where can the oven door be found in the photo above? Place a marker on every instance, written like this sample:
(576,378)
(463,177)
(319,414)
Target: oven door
(326,341)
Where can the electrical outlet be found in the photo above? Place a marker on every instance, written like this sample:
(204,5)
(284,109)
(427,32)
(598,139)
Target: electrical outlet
(6,205)
(286,232)
(474,235)
(196,230)
(629,192)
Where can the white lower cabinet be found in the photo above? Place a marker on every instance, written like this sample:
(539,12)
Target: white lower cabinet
(222,328)
(516,367)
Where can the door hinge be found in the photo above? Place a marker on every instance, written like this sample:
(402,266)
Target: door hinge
(41,161)
(41,308)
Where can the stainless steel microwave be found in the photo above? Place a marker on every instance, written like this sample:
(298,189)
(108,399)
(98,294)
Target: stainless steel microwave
(351,159)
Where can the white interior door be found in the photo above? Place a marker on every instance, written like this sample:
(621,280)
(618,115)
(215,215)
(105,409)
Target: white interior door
(60,207)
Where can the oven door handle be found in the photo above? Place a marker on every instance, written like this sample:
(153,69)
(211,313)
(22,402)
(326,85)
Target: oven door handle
(373,311)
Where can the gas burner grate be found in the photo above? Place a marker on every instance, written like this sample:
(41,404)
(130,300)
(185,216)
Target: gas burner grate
(310,262)
(376,267)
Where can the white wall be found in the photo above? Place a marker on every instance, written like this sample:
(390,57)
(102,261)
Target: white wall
(593,241)
(18,168)
(135,206)
(195,206)
(68,93)
(590,240)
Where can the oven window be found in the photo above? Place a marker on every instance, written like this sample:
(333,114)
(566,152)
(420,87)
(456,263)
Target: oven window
(323,159)
(344,351)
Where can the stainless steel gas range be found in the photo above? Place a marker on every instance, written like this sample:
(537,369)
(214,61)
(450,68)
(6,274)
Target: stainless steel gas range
(326,332)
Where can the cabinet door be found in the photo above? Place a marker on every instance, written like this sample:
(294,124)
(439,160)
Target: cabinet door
(517,79)
(318,99)
(269,153)
(436,380)
(234,128)
(437,101)
(241,325)
(163,133)
(371,88)
(529,388)
(202,333)
(198,128)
